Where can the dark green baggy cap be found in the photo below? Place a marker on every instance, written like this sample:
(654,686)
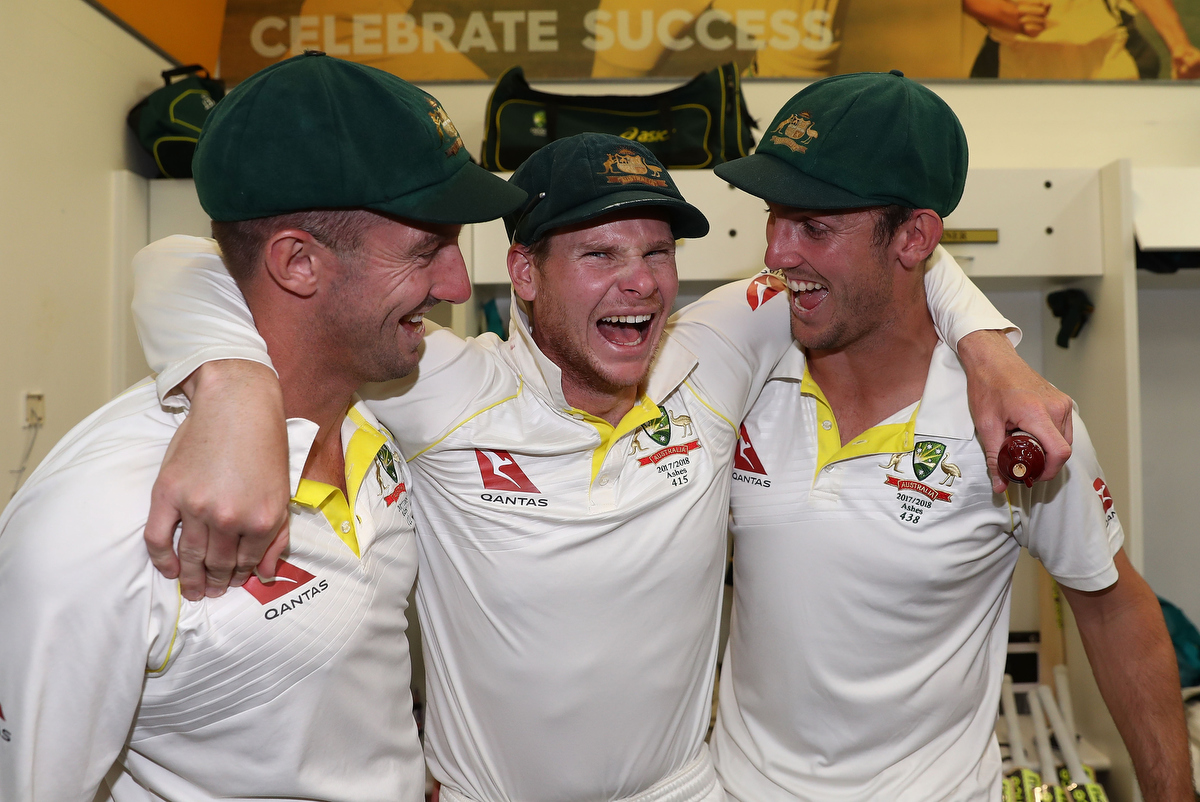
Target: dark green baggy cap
(858,140)
(315,132)
(586,176)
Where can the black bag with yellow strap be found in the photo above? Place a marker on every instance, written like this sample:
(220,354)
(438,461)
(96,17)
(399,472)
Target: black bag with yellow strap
(700,124)
(168,120)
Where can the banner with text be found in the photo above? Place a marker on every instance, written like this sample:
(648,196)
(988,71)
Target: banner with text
(455,40)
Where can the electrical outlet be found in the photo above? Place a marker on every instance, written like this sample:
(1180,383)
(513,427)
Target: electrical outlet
(35,409)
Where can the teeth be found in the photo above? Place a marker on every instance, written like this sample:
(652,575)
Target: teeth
(804,286)
(626,319)
(417,318)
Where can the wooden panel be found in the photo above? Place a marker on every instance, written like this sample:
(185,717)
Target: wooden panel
(1166,205)
(1048,223)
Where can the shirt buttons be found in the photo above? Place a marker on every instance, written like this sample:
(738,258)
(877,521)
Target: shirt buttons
(345,527)
(826,425)
(604,481)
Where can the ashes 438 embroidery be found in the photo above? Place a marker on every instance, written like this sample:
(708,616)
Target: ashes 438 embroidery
(917,498)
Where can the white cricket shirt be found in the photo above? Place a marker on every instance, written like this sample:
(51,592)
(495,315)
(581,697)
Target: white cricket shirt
(871,594)
(571,573)
(296,690)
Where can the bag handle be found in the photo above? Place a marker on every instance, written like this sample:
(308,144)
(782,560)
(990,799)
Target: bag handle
(175,72)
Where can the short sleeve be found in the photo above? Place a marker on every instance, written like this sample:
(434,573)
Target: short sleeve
(1070,523)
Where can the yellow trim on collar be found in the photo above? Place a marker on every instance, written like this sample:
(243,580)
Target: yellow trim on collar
(333,505)
(364,445)
(887,438)
(642,413)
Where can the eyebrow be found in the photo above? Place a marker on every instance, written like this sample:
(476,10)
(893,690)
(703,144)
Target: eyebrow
(605,247)
(431,239)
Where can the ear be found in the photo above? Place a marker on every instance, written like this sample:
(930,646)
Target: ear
(296,261)
(917,238)
(522,272)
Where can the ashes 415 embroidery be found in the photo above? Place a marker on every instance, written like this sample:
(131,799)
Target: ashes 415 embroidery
(915,497)
(672,460)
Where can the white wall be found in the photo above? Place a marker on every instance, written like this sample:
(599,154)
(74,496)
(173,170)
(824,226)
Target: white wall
(69,77)
(1169,311)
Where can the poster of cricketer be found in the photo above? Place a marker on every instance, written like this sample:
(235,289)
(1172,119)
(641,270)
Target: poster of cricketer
(477,40)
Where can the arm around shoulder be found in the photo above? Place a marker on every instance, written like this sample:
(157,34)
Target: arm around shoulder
(188,310)
(738,332)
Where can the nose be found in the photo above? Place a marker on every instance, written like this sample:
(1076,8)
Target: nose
(451,282)
(781,245)
(639,279)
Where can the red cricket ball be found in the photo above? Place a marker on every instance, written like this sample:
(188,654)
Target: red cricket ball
(1021,458)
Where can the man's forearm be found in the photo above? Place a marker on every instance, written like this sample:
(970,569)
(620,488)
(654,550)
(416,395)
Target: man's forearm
(994,13)
(1165,19)
(1134,664)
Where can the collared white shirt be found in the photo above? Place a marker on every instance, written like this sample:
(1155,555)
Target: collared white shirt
(298,689)
(570,571)
(872,586)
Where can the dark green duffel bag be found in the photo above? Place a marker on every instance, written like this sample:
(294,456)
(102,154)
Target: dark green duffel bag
(700,124)
(168,120)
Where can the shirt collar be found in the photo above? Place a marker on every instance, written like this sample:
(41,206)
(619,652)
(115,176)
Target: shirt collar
(671,366)
(944,410)
(302,433)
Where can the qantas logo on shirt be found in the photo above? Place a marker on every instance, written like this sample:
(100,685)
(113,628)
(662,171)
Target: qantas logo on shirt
(763,288)
(746,458)
(1105,498)
(288,577)
(500,471)
(1102,492)
(747,462)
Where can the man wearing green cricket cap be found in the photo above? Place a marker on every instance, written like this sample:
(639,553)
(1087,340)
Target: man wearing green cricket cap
(296,688)
(873,555)
(572,482)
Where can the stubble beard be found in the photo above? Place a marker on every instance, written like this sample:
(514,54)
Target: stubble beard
(579,365)
(374,353)
(863,308)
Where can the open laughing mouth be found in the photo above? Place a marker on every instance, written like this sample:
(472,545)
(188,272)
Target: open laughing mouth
(414,323)
(807,295)
(625,330)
